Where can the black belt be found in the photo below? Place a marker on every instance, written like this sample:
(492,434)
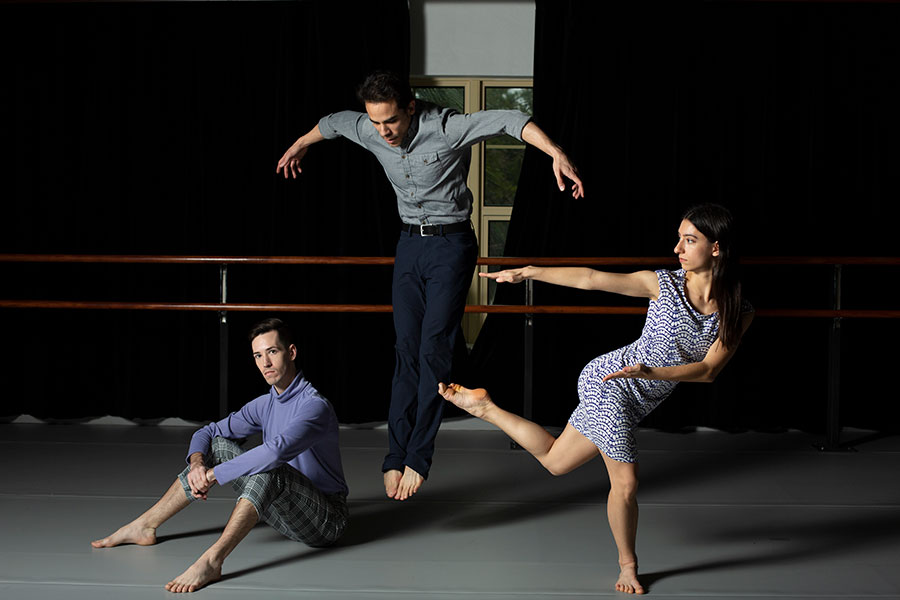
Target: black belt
(432,230)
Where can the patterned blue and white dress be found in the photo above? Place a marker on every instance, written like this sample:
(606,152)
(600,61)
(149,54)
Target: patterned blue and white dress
(674,334)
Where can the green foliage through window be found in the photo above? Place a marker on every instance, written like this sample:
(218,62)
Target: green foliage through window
(450,97)
(503,155)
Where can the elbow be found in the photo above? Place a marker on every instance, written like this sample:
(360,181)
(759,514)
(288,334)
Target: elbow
(705,373)
(275,457)
(710,375)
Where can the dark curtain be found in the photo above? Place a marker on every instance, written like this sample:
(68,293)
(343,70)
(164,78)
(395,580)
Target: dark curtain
(784,112)
(154,128)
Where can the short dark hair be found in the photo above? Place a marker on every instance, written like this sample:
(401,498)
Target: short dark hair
(273,324)
(385,86)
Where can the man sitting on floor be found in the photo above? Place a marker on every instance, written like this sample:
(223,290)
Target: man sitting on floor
(293,481)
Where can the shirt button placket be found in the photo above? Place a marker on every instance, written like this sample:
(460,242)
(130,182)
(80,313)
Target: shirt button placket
(411,183)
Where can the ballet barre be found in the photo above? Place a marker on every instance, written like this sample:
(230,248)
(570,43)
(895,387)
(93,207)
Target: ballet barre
(529,309)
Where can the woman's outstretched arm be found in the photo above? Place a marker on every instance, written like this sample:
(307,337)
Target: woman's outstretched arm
(704,371)
(642,284)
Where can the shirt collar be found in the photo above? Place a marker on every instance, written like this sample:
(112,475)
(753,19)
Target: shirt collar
(296,387)
(413,129)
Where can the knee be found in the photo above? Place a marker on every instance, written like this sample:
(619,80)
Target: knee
(259,489)
(222,449)
(437,344)
(407,346)
(557,468)
(625,488)
(248,508)
(437,352)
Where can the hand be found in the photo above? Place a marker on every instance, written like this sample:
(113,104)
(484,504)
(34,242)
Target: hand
(290,162)
(563,167)
(198,479)
(507,276)
(638,371)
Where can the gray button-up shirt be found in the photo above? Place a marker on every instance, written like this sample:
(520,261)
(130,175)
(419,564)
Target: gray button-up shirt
(429,168)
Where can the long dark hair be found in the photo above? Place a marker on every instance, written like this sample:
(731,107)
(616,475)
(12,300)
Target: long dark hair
(717,224)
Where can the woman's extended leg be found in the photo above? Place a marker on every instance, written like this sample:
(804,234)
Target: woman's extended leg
(558,455)
(561,455)
(622,510)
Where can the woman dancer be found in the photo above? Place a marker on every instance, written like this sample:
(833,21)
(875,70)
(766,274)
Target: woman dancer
(695,320)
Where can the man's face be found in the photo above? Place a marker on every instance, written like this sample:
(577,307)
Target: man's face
(390,120)
(275,362)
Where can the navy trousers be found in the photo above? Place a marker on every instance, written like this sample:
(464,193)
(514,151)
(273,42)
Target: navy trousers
(431,278)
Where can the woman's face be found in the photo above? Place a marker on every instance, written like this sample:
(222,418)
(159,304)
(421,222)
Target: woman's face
(695,252)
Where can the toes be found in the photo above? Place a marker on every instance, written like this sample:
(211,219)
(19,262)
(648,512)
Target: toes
(103,542)
(391,483)
(176,587)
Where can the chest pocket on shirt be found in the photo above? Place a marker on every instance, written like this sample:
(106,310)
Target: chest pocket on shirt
(427,169)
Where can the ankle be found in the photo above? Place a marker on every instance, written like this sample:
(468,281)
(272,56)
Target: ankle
(145,526)
(213,559)
(487,411)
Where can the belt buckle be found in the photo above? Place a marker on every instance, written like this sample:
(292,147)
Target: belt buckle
(433,228)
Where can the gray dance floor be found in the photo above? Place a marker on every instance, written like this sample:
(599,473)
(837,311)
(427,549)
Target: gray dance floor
(734,516)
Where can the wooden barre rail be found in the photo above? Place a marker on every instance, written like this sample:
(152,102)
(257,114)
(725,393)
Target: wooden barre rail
(386,308)
(836,314)
(389,260)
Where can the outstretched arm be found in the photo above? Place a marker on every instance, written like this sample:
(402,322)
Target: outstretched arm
(562,166)
(290,162)
(704,371)
(642,284)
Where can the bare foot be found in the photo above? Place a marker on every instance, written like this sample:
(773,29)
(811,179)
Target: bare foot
(409,484)
(201,573)
(133,533)
(475,402)
(628,581)
(391,482)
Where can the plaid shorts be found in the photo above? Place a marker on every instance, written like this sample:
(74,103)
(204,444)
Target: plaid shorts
(284,498)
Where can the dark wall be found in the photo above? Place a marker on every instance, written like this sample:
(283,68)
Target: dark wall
(784,112)
(155,128)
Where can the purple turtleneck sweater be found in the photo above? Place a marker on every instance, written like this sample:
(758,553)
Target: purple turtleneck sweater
(298,427)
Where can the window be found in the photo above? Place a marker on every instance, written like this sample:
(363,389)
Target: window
(503,155)
(494,173)
(448,96)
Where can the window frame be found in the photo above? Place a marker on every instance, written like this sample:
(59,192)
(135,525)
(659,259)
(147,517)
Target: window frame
(475,92)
